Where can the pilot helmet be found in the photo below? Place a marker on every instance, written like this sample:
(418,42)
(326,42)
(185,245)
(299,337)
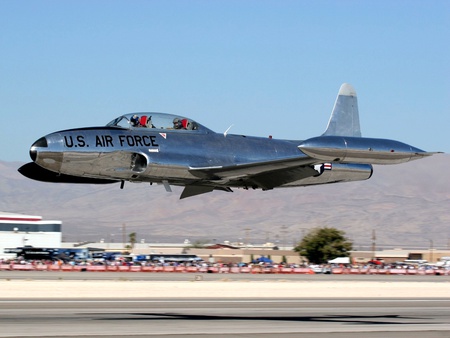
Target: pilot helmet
(176,123)
(134,120)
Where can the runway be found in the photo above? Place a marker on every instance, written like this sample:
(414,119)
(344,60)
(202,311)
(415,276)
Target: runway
(155,305)
(226,318)
(170,277)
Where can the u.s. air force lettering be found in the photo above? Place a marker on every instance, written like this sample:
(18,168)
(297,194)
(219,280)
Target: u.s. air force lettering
(105,141)
(79,141)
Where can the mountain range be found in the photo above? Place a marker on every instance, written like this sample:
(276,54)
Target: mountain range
(403,205)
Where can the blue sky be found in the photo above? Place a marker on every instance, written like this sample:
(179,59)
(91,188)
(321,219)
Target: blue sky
(267,67)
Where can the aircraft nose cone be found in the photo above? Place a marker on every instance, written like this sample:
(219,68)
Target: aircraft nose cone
(41,143)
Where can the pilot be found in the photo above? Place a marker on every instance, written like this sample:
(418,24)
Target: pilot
(186,124)
(134,121)
(177,123)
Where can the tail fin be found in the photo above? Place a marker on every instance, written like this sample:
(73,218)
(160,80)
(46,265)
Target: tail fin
(344,120)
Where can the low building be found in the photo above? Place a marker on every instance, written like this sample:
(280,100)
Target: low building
(217,253)
(17,230)
(400,255)
(226,253)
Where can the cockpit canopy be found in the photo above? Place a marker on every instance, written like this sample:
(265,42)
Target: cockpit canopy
(156,121)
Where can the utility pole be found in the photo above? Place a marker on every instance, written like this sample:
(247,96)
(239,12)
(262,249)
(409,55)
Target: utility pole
(374,237)
(124,235)
(247,234)
(283,233)
(431,250)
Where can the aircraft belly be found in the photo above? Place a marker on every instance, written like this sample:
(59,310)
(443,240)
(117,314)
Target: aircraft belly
(159,172)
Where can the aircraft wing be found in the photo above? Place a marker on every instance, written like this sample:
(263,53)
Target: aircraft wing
(265,175)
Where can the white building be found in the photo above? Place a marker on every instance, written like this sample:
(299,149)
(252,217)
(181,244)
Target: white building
(18,230)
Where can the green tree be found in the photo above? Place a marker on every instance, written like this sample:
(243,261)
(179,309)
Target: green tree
(132,237)
(322,244)
(199,244)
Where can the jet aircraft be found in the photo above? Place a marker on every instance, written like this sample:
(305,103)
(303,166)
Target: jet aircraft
(177,151)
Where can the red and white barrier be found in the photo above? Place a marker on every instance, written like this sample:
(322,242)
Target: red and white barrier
(22,267)
(303,271)
(96,268)
(5,267)
(193,269)
(66,267)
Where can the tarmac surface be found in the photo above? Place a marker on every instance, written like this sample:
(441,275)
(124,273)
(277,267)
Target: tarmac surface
(49,304)
(173,276)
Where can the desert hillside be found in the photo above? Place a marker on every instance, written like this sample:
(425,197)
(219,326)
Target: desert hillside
(407,205)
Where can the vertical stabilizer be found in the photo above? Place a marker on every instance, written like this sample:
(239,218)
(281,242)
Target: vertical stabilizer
(344,120)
